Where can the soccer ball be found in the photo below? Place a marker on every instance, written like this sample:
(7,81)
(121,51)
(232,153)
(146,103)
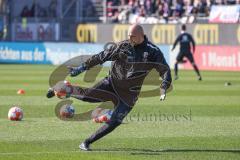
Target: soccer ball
(101,115)
(63,89)
(15,114)
(67,111)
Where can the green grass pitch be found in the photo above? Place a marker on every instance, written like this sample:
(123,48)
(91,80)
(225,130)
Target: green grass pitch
(198,120)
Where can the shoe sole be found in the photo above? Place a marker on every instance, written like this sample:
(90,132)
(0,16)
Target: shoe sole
(84,149)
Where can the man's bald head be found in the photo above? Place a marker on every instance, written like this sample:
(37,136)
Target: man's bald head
(136,28)
(136,34)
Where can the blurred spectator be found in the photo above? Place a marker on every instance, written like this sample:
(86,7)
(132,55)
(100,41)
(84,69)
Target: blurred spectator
(188,8)
(118,2)
(123,2)
(148,7)
(88,9)
(179,10)
(230,2)
(166,11)
(52,9)
(159,12)
(109,9)
(114,18)
(133,6)
(124,15)
(25,12)
(141,11)
(203,8)
(38,11)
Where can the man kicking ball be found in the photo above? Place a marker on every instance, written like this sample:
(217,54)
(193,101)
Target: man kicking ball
(132,60)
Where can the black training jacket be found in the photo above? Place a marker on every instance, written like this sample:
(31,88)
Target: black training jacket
(185,40)
(130,66)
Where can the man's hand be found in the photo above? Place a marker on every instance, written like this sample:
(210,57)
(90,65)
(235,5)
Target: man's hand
(74,71)
(162,94)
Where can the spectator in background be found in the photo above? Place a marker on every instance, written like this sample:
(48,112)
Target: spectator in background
(123,16)
(188,8)
(109,9)
(203,8)
(194,11)
(118,2)
(149,7)
(213,2)
(165,11)
(141,11)
(52,9)
(159,12)
(156,4)
(162,10)
(179,10)
(114,18)
(88,9)
(133,5)
(113,3)
(25,12)
(32,11)
(38,11)
(123,2)
(231,2)
(90,12)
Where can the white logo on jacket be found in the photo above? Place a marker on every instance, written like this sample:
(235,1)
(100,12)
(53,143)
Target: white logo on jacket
(145,56)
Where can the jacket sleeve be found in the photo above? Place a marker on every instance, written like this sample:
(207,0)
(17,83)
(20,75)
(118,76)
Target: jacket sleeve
(176,42)
(100,58)
(115,52)
(163,69)
(193,43)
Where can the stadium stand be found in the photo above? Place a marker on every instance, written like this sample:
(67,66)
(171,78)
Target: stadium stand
(161,11)
(63,15)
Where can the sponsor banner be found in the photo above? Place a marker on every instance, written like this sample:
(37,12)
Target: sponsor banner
(33,53)
(160,34)
(224,14)
(51,53)
(35,31)
(59,53)
(44,53)
(224,58)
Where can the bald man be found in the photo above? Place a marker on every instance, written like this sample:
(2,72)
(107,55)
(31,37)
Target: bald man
(132,60)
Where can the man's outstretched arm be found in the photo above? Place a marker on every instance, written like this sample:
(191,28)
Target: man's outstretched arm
(96,59)
(175,43)
(165,73)
(115,52)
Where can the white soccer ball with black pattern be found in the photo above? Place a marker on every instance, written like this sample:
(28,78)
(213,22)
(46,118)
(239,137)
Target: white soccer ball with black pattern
(101,115)
(63,89)
(67,111)
(15,114)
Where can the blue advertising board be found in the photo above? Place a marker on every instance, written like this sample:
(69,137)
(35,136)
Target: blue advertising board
(34,53)
(51,53)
